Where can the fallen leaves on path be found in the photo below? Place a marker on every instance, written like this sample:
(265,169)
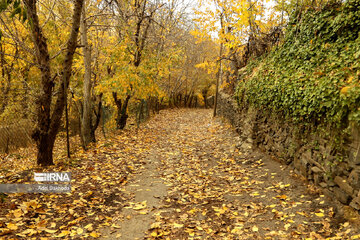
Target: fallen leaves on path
(221,188)
(218,188)
(97,197)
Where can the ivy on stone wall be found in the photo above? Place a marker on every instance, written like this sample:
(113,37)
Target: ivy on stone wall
(314,76)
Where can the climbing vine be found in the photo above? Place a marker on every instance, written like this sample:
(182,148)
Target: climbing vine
(314,75)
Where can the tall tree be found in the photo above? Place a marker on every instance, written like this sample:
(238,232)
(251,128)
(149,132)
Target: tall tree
(86,109)
(136,18)
(48,120)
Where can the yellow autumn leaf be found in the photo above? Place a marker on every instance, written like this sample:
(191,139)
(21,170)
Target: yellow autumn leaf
(177,225)
(139,206)
(155,225)
(89,227)
(17,213)
(12,226)
(192,211)
(50,231)
(319,214)
(199,228)
(255,229)
(350,79)
(355,236)
(80,231)
(237,230)
(344,90)
(115,226)
(301,213)
(282,197)
(63,234)
(94,234)
(286,226)
(28,231)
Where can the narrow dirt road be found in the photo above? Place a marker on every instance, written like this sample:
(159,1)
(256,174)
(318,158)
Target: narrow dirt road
(201,182)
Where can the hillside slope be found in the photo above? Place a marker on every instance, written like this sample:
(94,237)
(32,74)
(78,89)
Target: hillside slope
(313,76)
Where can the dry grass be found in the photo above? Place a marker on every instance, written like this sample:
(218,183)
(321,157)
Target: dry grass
(15,136)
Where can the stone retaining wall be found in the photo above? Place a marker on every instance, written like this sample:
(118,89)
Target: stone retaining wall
(313,155)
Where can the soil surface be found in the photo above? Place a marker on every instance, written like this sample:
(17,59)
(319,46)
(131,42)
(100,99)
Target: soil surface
(201,181)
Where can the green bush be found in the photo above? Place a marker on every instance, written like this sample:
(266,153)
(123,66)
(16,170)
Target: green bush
(314,75)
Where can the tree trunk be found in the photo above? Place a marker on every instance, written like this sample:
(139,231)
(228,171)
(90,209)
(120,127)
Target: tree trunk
(148,105)
(186,98)
(122,115)
(86,116)
(190,100)
(67,128)
(25,99)
(97,120)
(219,78)
(139,114)
(204,93)
(118,104)
(157,105)
(103,121)
(45,150)
(41,133)
(6,73)
(48,126)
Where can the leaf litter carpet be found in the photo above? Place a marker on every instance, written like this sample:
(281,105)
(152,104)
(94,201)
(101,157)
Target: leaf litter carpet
(220,188)
(182,175)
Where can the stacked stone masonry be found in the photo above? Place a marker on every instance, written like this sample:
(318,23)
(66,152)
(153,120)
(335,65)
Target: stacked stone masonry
(314,158)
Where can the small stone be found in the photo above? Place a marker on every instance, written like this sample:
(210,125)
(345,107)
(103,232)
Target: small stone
(355,193)
(246,146)
(328,193)
(342,196)
(307,154)
(341,169)
(318,179)
(316,169)
(330,183)
(353,178)
(342,183)
(304,167)
(356,200)
(354,156)
(354,205)
(323,184)
(297,163)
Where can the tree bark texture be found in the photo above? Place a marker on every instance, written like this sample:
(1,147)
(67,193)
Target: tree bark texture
(86,114)
(47,121)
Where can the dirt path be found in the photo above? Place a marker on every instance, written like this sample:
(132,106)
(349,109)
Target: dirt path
(148,189)
(201,182)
